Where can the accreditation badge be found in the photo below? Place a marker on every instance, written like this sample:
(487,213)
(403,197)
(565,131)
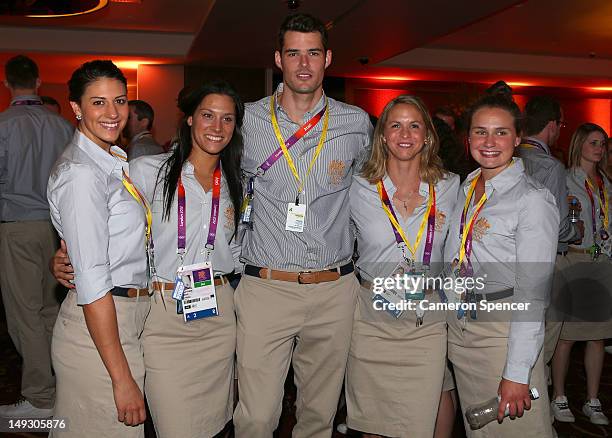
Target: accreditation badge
(411,279)
(392,300)
(199,295)
(296,214)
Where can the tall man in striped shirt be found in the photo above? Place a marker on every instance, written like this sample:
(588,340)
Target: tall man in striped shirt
(295,302)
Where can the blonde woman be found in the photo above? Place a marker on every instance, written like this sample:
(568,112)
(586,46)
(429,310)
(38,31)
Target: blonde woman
(399,204)
(589,273)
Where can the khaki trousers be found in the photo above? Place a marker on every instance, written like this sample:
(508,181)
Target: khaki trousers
(282,322)
(28,293)
(478,350)
(84,388)
(190,367)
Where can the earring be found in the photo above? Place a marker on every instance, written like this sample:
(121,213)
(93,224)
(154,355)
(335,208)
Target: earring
(79,117)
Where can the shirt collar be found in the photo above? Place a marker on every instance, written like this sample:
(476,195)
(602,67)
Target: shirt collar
(541,143)
(139,136)
(108,162)
(503,181)
(26,97)
(188,168)
(309,114)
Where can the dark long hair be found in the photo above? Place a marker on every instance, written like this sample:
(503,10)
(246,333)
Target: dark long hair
(230,156)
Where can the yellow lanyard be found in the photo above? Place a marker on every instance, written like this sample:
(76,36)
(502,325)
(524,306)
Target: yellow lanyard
(127,182)
(281,142)
(467,227)
(605,207)
(398,227)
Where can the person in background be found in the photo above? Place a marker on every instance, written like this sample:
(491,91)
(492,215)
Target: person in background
(31,139)
(138,130)
(447,116)
(503,234)
(51,104)
(588,294)
(105,222)
(452,151)
(543,121)
(399,205)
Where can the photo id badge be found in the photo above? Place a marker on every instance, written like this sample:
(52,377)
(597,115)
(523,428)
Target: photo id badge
(412,280)
(393,297)
(199,297)
(295,217)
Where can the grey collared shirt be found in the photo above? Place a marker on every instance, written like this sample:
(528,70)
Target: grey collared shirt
(142,144)
(102,224)
(327,239)
(550,172)
(143,172)
(31,139)
(379,253)
(514,247)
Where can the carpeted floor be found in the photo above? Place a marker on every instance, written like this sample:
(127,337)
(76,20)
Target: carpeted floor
(10,365)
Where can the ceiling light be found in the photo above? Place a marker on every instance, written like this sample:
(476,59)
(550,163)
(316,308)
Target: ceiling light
(77,8)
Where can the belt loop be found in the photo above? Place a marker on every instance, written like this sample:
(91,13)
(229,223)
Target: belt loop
(269,274)
(338,270)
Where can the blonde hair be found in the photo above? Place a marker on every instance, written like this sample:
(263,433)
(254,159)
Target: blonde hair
(578,138)
(431,168)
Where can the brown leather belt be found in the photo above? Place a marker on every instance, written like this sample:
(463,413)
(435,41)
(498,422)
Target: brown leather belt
(159,286)
(302,277)
(129,292)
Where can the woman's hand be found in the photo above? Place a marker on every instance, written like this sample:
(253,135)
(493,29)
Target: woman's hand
(61,268)
(515,396)
(129,401)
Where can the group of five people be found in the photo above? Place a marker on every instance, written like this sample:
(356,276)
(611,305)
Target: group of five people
(280,190)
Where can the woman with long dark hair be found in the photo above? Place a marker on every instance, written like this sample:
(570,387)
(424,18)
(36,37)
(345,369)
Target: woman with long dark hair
(195,193)
(96,349)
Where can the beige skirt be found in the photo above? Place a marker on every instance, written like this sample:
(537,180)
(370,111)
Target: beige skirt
(190,367)
(478,351)
(84,391)
(586,301)
(395,371)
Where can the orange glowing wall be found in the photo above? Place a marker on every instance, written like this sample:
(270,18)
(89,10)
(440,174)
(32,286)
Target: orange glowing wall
(579,106)
(159,85)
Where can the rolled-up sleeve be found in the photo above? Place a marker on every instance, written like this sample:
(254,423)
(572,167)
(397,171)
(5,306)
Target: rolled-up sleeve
(536,245)
(81,201)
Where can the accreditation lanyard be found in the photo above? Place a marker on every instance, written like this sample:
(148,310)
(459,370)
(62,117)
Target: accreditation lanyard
(214,215)
(465,250)
(286,145)
(429,218)
(131,188)
(603,202)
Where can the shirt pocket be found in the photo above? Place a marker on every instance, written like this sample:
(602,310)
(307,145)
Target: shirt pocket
(497,234)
